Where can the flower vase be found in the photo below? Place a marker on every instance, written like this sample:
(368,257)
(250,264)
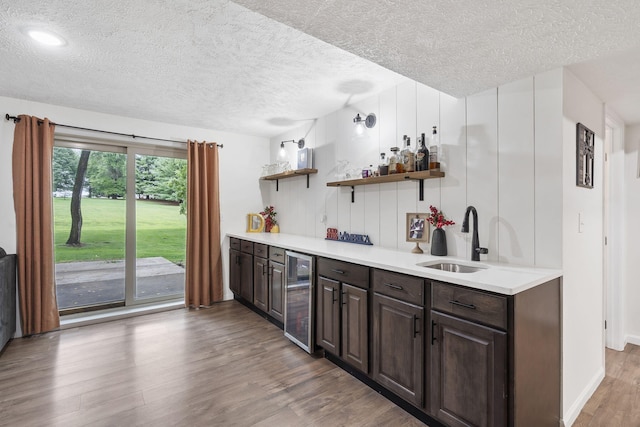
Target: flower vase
(439,242)
(275,229)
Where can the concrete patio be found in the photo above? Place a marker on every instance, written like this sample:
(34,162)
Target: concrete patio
(88,283)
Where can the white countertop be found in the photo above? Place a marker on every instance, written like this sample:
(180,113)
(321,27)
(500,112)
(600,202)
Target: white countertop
(506,279)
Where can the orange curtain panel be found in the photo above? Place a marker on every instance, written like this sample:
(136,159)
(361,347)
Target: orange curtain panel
(32,155)
(204,253)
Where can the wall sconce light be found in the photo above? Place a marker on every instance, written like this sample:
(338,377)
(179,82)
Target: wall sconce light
(369,122)
(299,142)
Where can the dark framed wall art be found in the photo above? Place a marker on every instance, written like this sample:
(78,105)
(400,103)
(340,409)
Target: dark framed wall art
(585,152)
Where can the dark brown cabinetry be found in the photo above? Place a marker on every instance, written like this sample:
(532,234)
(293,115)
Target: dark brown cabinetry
(460,355)
(468,372)
(398,334)
(468,357)
(355,326)
(234,271)
(342,314)
(495,359)
(276,283)
(261,283)
(328,315)
(241,268)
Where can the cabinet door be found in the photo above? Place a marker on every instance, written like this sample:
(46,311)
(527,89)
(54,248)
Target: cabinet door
(246,276)
(276,290)
(261,283)
(355,319)
(398,347)
(468,368)
(328,315)
(234,271)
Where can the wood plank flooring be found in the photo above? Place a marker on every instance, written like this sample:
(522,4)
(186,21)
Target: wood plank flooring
(616,402)
(224,366)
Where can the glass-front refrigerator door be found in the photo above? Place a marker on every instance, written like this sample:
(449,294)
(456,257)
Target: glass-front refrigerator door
(298,315)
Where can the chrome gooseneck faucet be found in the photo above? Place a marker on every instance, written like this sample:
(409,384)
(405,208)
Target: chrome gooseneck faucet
(476,250)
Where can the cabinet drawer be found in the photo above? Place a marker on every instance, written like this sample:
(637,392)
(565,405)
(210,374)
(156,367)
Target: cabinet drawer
(261,250)
(276,254)
(400,286)
(246,247)
(470,304)
(356,275)
(234,243)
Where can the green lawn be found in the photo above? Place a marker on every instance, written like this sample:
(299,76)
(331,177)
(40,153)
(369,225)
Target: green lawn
(161,230)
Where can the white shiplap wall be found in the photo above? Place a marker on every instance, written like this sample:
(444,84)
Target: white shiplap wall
(490,152)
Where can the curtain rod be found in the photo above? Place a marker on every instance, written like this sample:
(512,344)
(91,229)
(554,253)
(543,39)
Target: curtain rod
(17,119)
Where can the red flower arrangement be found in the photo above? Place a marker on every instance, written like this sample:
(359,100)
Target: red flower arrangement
(269,214)
(437,219)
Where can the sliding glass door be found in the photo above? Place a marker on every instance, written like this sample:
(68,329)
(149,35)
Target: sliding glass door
(161,225)
(89,203)
(120,228)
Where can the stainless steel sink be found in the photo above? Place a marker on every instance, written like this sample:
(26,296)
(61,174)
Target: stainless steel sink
(452,267)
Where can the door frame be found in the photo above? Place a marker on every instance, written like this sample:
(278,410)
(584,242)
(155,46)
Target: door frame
(80,141)
(613,217)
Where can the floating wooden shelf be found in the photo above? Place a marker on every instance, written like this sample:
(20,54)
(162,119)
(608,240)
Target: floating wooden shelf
(289,174)
(394,177)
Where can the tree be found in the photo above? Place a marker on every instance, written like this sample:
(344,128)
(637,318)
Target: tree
(65,163)
(178,183)
(76,197)
(172,179)
(146,175)
(106,175)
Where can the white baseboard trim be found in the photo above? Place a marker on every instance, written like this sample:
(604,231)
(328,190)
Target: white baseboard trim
(571,415)
(632,339)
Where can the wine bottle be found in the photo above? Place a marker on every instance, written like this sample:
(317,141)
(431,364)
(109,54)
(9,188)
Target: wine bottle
(422,155)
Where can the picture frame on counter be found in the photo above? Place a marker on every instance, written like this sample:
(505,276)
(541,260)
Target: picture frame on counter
(255,223)
(417,227)
(417,230)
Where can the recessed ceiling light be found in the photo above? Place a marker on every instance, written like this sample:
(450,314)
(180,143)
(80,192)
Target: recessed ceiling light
(46,38)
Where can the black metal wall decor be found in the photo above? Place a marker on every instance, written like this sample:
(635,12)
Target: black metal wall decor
(585,151)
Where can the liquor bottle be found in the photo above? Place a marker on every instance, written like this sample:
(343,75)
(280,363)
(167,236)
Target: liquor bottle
(408,156)
(422,155)
(393,160)
(434,163)
(383,167)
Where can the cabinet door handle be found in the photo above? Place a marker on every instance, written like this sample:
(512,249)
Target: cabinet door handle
(333,295)
(433,332)
(264,268)
(461,304)
(415,325)
(344,297)
(392,286)
(270,271)
(337,271)
(238,260)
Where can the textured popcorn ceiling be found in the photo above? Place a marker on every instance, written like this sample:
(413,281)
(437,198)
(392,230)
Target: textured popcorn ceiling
(465,46)
(203,63)
(216,64)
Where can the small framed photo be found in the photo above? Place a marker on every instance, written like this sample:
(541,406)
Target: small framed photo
(417,227)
